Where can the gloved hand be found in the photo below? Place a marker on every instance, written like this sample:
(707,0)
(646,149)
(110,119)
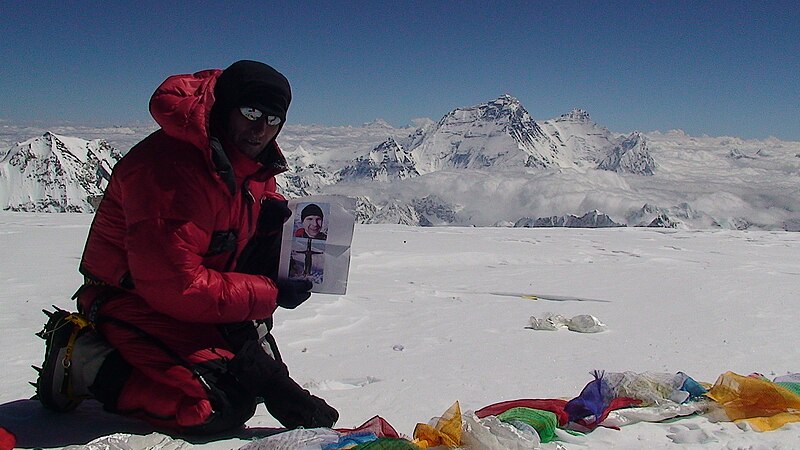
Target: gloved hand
(292,293)
(295,407)
(263,376)
(325,416)
(273,214)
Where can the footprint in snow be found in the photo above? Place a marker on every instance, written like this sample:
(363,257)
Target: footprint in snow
(340,385)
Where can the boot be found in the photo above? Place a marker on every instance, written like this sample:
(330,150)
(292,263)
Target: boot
(74,354)
(290,404)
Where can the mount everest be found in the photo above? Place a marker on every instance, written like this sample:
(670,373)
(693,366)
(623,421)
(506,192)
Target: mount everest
(487,165)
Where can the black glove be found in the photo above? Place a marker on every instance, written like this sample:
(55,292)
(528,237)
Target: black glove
(292,293)
(325,416)
(273,214)
(295,407)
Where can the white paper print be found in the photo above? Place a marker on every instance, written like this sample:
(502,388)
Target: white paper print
(316,242)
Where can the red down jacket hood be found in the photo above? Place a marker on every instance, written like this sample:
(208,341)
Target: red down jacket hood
(182,106)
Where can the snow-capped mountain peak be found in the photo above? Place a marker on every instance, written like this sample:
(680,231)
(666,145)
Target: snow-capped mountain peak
(631,155)
(581,140)
(388,161)
(55,173)
(576,115)
(498,133)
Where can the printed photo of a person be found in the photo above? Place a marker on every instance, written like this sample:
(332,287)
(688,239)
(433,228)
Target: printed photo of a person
(312,223)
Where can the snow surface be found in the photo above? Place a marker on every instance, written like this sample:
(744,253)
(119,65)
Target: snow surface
(422,326)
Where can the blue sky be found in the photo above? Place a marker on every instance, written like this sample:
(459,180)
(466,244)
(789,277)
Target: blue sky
(717,68)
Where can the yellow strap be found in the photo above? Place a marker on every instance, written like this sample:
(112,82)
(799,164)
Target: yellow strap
(93,282)
(81,322)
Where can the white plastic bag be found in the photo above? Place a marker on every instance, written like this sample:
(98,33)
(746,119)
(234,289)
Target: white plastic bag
(585,323)
(299,439)
(126,441)
(490,433)
(549,322)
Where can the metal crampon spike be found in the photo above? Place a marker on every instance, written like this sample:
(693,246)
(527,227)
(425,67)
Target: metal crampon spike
(37,369)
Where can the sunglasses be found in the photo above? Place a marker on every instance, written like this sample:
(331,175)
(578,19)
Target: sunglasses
(253,114)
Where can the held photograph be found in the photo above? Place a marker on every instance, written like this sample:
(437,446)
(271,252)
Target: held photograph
(316,242)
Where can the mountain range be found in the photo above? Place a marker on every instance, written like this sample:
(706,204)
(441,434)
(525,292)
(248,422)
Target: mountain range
(487,165)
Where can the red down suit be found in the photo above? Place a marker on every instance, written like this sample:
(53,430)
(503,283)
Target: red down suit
(177,213)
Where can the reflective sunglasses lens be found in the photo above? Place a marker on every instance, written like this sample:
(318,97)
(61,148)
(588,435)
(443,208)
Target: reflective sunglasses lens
(251,114)
(273,120)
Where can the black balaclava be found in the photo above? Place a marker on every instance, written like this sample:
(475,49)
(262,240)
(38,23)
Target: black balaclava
(249,83)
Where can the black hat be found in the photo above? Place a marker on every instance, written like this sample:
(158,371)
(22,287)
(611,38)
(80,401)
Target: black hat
(311,210)
(254,84)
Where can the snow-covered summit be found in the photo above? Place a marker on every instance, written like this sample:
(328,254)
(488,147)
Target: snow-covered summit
(378,124)
(577,115)
(631,155)
(581,140)
(55,173)
(498,133)
(388,161)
